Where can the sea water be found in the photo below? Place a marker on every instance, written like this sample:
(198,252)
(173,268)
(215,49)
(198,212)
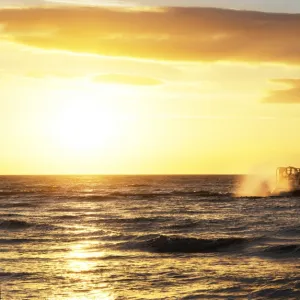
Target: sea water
(145,237)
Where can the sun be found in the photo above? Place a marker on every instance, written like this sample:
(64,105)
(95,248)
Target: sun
(86,122)
(83,127)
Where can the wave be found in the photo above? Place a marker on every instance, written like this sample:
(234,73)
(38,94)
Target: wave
(14,224)
(92,197)
(140,195)
(291,231)
(138,185)
(134,220)
(116,195)
(10,215)
(200,193)
(185,224)
(23,241)
(17,192)
(168,244)
(67,217)
(8,275)
(18,204)
(283,250)
(273,293)
(23,225)
(174,244)
(68,209)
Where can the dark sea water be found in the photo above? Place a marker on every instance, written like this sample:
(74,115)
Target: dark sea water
(145,237)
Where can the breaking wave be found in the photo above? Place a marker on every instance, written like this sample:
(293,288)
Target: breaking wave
(273,293)
(283,250)
(168,244)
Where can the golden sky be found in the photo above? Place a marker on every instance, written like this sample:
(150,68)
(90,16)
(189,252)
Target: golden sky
(147,90)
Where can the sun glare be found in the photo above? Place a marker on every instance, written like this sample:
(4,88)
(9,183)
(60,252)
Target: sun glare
(83,128)
(87,121)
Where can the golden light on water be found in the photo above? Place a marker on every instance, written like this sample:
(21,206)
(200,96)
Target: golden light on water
(79,257)
(100,296)
(80,266)
(81,251)
(81,260)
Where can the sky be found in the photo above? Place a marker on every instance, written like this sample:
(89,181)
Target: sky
(104,87)
(281,6)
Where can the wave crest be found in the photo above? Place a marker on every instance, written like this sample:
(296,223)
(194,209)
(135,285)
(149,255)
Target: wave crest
(280,250)
(23,225)
(193,245)
(14,224)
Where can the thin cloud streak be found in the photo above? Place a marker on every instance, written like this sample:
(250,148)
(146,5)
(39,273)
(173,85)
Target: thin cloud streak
(127,80)
(110,3)
(290,94)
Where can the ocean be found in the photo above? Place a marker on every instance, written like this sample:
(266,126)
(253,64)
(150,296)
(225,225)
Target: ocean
(145,237)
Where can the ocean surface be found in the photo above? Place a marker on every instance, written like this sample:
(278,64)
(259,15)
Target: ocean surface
(145,237)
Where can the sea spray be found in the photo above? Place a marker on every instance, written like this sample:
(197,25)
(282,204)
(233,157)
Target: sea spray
(259,183)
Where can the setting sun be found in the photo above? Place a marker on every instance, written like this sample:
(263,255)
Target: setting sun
(84,123)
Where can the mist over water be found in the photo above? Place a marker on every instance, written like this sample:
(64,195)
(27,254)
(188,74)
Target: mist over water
(147,237)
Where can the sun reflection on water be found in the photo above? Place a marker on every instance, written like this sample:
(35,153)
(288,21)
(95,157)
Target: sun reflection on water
(80,266)
(80,255)
(97,295)
(83,258)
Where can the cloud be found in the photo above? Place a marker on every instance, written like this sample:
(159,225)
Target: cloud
(291,94)
(93,2)
(127,79)
(20,3)
(185,34)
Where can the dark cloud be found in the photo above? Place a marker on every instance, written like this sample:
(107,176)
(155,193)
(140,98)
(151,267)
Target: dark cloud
(189,34)
(291,93)
(127,79)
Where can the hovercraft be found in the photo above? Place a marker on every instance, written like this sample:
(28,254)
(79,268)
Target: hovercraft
(287,181)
